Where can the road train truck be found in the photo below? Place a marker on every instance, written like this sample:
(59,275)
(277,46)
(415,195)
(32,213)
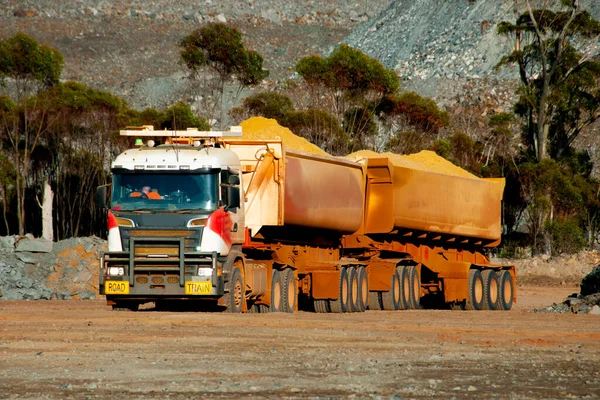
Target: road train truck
(210,218)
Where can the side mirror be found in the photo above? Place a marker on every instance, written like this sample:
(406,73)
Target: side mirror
(233,197)
(102,196)
(234,180)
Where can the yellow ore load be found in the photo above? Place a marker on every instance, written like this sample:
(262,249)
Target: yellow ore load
(419,209)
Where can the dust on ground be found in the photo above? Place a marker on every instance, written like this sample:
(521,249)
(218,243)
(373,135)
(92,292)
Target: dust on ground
(82,349)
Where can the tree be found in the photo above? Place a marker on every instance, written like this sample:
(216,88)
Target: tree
(266,104)
(76,149)
(215,56)
(7,180)
(554,53)
(30,67)
(353,86)
(180,116)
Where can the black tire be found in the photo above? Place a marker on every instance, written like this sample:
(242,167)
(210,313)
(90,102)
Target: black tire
(375,301)
(415,288)
(403,272)
(474,290)
(276,292)
(506,290)
(490,289)
(391,299)
(363,289)
(125,306)
(263,308)
(289,292)
(353,284)
(340,305)
(321,306)
(235,296)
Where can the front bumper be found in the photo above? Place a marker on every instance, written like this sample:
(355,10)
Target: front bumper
(153,276)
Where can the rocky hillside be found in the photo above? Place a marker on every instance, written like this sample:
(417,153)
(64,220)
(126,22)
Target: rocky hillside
(130,47)
(423,39)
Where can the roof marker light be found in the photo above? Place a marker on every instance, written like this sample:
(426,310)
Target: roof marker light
(139,142)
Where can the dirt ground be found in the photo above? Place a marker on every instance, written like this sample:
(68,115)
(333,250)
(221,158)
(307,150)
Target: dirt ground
(84,350)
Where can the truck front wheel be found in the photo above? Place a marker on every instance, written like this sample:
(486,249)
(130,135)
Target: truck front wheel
(235,296)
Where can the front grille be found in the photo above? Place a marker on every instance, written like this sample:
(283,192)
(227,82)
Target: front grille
(173,280)
(157,280)
(142,280)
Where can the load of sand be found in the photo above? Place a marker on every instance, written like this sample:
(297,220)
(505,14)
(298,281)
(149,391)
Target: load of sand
(264,128)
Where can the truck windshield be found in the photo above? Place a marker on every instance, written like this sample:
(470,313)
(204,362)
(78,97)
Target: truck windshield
(165,192)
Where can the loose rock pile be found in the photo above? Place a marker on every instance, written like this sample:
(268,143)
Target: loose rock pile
(586,302)
(34,269)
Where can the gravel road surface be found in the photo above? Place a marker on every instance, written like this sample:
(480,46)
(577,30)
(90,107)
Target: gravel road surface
(83,349)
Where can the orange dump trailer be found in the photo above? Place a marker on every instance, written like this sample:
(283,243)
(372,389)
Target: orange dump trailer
(370,231)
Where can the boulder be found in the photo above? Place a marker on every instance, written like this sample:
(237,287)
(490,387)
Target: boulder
(590,284)
(34,245)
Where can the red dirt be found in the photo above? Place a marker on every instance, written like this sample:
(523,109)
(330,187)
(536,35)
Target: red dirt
(82,349)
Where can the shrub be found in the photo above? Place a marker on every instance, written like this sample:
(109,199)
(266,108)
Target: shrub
(565,236)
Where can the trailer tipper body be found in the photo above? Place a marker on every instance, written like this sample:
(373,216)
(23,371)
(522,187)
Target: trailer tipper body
(250,225)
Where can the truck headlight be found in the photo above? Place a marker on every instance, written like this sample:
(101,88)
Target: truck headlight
(205,271)
(116,271)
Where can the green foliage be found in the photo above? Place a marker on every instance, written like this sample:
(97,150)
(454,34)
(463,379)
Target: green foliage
(313,69)
(421,112)
(180,116)
(407,141)
(23,58)
(566,236)
(215,56)
(359,124)
(442,148)
(350,70)
(268,105)
(220,48)
(76,97)
(177,117)
(318,127)
(559,95)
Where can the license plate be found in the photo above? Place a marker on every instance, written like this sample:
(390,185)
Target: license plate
(116,287)
(198,287)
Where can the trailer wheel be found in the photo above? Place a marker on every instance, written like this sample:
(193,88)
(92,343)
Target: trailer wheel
(277,292)
(414,288)
(490,289)
(353,284)
(506,290)
(475,290)
(289,291)
(341,304)
(392,298)
(321,306)
(363,289)
(403,273)
(375,301)
(259,309)
(236,294)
